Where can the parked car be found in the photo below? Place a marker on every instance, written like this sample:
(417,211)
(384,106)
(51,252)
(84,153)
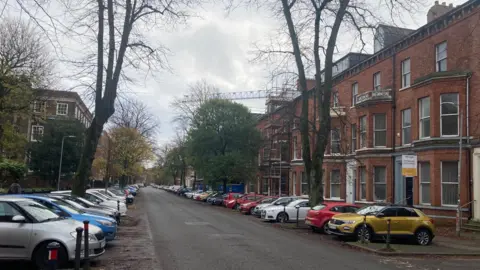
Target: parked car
(218,199)
(319,216)
(231,199)
(245,199)
(63,209)
(249,207)
(405,222)
(280,201)
(99,199)
(27,227)
(109,194)
(118,192)
(286,213)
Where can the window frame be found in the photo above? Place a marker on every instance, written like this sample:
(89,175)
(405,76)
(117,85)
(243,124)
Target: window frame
(339,183)
(384,183)
(404,127)
(42,128)
(363,176)
(353,131)
(354,92)
(457,114)
(335,99)
(41,106)
(422,118)
(363,132)
(304,178)
(58,106)
(406,74)
(422,183)
(295,148)
(379,130)
(448,183)
(439,61)
(377,81)
(338,141)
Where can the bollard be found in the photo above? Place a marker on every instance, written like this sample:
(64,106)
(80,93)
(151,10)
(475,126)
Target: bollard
(388,233)
(362,239)
(53,255)
(118,205)
(78,248)
(86,256)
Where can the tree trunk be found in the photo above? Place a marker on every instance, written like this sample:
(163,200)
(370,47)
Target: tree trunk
(194,180)
(224,185)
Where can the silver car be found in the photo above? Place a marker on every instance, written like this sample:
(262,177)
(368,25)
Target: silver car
(27,227)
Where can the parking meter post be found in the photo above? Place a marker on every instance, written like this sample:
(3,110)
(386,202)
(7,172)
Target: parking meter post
(388,233)
(53,248)
(78,248)
(298,211)
(118,205)
(85,246)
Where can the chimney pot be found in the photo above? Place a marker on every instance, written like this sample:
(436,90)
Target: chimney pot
(436,3)
(451,5)
(444,3)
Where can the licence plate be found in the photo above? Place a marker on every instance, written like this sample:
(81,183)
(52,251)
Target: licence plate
(102,245)
(332,226)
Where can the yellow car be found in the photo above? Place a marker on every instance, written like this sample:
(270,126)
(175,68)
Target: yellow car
(404,222)
(204,195)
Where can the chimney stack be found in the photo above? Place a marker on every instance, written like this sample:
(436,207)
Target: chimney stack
(438,10)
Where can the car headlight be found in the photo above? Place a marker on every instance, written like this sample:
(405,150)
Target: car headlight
(247,204)
(105,223)
(349,221)
(91,237)
(232,201)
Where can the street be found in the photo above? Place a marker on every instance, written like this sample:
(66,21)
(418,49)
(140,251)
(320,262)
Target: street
(191,235)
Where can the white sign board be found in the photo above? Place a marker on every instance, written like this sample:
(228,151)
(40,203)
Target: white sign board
(409,165)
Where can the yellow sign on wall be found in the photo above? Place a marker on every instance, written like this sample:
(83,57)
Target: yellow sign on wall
(409,165)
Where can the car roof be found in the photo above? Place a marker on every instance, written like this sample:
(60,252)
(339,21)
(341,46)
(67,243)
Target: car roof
(10,198)
(36,197)
(332,204)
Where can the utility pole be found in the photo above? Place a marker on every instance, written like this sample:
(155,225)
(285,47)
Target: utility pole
(61,158)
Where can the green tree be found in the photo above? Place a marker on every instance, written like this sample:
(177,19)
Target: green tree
(223,141)
(45,152)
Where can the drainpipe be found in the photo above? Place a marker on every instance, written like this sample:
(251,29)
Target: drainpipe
(394,109)
(468,107)
(470,184)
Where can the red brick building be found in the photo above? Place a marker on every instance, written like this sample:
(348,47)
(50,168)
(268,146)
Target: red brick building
(415,96)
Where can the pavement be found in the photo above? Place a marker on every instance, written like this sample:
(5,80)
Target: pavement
(193,235)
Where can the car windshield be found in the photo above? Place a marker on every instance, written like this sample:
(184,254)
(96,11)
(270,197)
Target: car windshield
(85,201)
(319,207)
(75,204)
(370,210)
(38,211)
(70,208)
(281,201)
(98,194)
(116,192)
(267,200)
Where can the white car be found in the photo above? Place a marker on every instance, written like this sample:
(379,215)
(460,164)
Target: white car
(191,195)
(286,213)
(100,199)
(280,201)
(27,227)
(110,194)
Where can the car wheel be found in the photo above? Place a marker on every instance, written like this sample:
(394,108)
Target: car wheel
(252,211)
(325,227)
(282,217)
(423,237)
(364,233)
(40,256)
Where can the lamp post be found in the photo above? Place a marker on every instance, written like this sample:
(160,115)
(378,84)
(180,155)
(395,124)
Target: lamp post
(61,157)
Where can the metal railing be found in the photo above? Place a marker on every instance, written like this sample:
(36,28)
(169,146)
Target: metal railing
(460,211)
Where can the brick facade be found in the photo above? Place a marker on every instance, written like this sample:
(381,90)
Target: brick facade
(406,72)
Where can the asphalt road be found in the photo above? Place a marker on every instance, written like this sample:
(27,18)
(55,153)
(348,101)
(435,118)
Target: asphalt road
(190,235)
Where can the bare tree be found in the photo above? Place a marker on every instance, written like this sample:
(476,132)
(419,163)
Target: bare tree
(198,93)
(132,113)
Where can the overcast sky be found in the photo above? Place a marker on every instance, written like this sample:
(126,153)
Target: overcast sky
(218,48)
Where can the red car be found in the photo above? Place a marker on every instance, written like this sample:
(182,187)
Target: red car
(246,199)
(247,208)
(317,218)
(230,199)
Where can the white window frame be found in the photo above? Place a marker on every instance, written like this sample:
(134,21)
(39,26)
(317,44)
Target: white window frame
(439,59)
(363,181)
(66,108)
(450,114)
(406,78)
(448,183)
(336,184)
(422,118)
(304,178)
(353,130)
(363,132)
(41,107)
(384,183)
(377,81)
(336,102)
(294,148)
(32,133)
(404,127)
(354,92)
(332,142)
(375,130)
(294,176)
(423,183)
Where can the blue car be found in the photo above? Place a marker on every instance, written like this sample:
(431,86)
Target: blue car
(63,209)
(132,190)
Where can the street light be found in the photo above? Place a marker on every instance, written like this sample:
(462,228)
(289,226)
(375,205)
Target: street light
(61,157)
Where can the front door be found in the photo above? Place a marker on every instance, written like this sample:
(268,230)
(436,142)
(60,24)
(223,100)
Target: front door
(14,236)
(351,183)
(409,191)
